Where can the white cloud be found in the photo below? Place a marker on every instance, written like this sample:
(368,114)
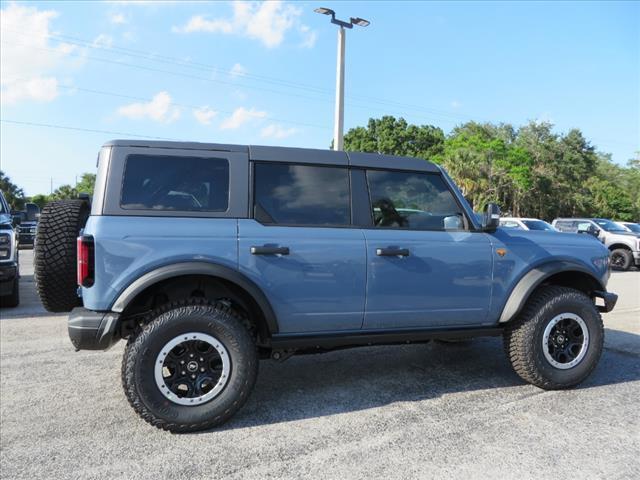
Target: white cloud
(277,131)
(309,37)
(159,109)
(267,22)
(204,114)
(118,18)
(238,71)
(455,104)
(240,116)
(103,41)
(28,60)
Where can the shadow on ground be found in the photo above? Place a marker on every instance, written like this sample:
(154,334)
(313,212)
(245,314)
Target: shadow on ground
(364,378)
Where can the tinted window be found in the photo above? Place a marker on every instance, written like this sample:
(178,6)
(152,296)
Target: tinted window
(189,184)
(634,227)
(301,195)
(567,226)
(537,225)
(609,226)
(412,200)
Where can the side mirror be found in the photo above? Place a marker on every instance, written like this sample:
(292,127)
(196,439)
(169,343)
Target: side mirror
(491,218)
(16,219)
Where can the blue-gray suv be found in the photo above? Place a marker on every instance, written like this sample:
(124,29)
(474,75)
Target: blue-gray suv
(207,258)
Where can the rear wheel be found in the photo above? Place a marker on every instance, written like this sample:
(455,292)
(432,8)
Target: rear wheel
(55,253)
(191,368)
(557,340)
(621,259)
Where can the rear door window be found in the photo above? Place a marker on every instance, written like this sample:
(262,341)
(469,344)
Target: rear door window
(173,183)
(288,194)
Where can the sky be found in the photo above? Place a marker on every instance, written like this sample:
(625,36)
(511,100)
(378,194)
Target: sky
(77,74)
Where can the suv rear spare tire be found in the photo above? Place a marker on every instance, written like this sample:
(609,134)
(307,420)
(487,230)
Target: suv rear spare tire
(55,253)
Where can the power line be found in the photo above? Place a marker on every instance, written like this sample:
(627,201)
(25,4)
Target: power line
(176,104)
(433,112)
(90,130)
(267,79)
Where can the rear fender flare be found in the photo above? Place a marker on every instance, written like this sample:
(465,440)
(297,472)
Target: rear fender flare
(198,268)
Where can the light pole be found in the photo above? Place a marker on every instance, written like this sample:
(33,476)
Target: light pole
(338,125)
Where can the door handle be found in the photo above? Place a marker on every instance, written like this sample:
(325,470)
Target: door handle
(392,252)
(264,250)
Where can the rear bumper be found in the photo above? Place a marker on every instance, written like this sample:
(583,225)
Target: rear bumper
(608,298)
(89,330)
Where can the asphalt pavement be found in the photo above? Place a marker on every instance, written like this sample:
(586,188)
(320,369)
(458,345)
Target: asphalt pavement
(416,411)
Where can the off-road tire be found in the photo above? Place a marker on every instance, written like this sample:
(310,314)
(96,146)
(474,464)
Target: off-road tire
(13,299)
(55,253)
(194,315)
(625,256)
(523,338)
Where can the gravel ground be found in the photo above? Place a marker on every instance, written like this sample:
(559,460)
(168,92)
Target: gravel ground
(422,411)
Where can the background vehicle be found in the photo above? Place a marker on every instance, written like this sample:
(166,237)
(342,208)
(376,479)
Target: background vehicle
(9,270)
(623,245)
(269,252)
(526,224)
(630,226)
(28,225)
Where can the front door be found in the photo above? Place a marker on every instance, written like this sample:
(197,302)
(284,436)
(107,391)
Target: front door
(300,250)
(424,267)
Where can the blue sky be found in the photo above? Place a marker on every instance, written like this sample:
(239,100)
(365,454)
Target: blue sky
(265,74)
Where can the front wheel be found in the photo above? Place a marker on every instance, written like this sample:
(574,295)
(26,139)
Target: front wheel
(557,340)
(621,259)
(191,368)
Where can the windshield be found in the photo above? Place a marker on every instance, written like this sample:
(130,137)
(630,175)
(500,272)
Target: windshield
(538,225)
(634,227)
(609,226)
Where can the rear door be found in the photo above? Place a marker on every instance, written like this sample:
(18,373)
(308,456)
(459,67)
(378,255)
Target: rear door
(300,248)
(425,268)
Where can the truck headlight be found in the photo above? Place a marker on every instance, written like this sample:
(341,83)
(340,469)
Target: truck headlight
(5,246)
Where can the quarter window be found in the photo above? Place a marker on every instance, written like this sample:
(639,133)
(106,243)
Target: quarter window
(301,195)
(191,184)
(411,200)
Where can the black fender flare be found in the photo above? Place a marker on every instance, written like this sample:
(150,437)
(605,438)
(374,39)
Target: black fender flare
(198,268)
(533,278)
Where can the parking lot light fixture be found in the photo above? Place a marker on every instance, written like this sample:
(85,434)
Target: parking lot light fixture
(338,127)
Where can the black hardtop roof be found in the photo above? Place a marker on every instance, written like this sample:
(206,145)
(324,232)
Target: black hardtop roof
(292,154)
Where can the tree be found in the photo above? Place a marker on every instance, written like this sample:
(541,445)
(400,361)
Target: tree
(40,200)
(529,171)
(12,193)
(85,185)
(396,137)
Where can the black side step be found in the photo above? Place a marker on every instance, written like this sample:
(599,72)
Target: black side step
(373,337)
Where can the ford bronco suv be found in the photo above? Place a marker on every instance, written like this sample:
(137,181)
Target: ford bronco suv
(623,245)
(207,258)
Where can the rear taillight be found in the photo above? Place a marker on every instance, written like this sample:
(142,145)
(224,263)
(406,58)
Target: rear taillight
(85,261)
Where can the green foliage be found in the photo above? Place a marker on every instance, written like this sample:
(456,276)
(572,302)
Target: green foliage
(397,137)
(529,171)
(85,185)
(39,200)
(12,193)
